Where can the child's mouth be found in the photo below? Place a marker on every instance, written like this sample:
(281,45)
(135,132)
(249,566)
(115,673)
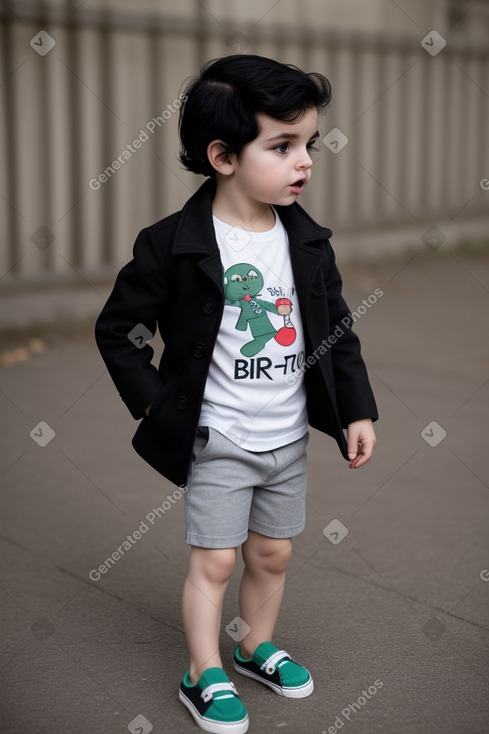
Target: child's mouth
(298,186)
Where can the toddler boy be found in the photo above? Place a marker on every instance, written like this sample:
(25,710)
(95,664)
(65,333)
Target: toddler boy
(244,289)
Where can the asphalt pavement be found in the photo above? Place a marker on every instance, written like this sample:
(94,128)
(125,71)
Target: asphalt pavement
(387,596)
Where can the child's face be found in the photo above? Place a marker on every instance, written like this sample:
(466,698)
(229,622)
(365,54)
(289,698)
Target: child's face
(275,167)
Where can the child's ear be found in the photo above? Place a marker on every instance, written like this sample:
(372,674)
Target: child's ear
(220,158)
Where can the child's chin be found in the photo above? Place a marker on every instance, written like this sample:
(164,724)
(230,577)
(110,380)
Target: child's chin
(287,199)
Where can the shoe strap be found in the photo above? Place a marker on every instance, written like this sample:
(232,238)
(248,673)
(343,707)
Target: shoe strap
(208,692)
(270,664)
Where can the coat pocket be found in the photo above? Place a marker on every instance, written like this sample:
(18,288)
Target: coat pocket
(164,418)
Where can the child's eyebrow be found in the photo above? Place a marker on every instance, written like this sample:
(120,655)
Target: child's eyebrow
(290,135)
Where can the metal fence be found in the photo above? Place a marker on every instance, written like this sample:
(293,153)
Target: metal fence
(89,108)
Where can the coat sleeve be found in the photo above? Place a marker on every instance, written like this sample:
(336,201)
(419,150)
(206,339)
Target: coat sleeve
(354,394)
(138,298)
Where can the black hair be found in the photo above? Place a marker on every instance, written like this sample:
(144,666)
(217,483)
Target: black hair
(221,103)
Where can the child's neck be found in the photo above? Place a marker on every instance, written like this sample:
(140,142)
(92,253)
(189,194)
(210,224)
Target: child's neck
(233,208)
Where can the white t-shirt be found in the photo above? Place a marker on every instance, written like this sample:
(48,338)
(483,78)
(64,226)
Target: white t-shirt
(255,392)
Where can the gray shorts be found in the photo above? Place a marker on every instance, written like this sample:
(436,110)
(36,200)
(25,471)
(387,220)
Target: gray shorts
(231,491)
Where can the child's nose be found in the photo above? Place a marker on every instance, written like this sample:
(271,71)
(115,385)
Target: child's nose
(305,161)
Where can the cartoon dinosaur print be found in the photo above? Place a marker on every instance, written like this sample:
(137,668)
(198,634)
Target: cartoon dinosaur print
(242,283)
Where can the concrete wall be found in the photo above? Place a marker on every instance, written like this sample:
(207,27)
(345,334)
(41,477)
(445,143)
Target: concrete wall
(416,122)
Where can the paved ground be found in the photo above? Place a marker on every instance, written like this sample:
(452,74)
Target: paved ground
(393,621)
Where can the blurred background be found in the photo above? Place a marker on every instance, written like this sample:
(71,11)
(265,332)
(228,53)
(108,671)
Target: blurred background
(88,156)
(89,113)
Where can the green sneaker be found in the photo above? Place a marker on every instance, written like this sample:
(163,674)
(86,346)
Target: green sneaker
(214,703)
(275,669)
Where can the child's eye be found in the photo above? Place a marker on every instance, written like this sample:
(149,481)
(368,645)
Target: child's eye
(312,146)
(282,148)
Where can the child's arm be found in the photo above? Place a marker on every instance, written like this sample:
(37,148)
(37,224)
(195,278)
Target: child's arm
(355,400)
(140,296)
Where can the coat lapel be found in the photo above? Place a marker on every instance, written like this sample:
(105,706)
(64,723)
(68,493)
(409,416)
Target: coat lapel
(305,237)
(196,235)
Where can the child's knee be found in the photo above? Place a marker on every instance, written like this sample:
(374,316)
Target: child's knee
(215,564)
(278,561)
(271,555)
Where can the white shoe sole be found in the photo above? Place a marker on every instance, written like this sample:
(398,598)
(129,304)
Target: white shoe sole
(212,726)
(299,692)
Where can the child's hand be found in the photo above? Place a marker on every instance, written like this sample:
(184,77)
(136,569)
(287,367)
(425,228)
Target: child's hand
(361,442)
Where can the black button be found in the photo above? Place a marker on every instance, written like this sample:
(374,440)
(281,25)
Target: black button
(209,305)
(199,350)
(182,403)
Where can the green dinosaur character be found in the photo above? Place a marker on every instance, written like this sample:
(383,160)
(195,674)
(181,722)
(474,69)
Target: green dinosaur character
(242,282)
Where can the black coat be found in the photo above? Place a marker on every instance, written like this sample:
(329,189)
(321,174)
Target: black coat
(175,282)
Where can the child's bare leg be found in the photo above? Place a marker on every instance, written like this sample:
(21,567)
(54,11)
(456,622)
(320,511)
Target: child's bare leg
(262,587)
(203,592)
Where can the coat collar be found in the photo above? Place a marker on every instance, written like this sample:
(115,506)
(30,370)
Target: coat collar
(196,234)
